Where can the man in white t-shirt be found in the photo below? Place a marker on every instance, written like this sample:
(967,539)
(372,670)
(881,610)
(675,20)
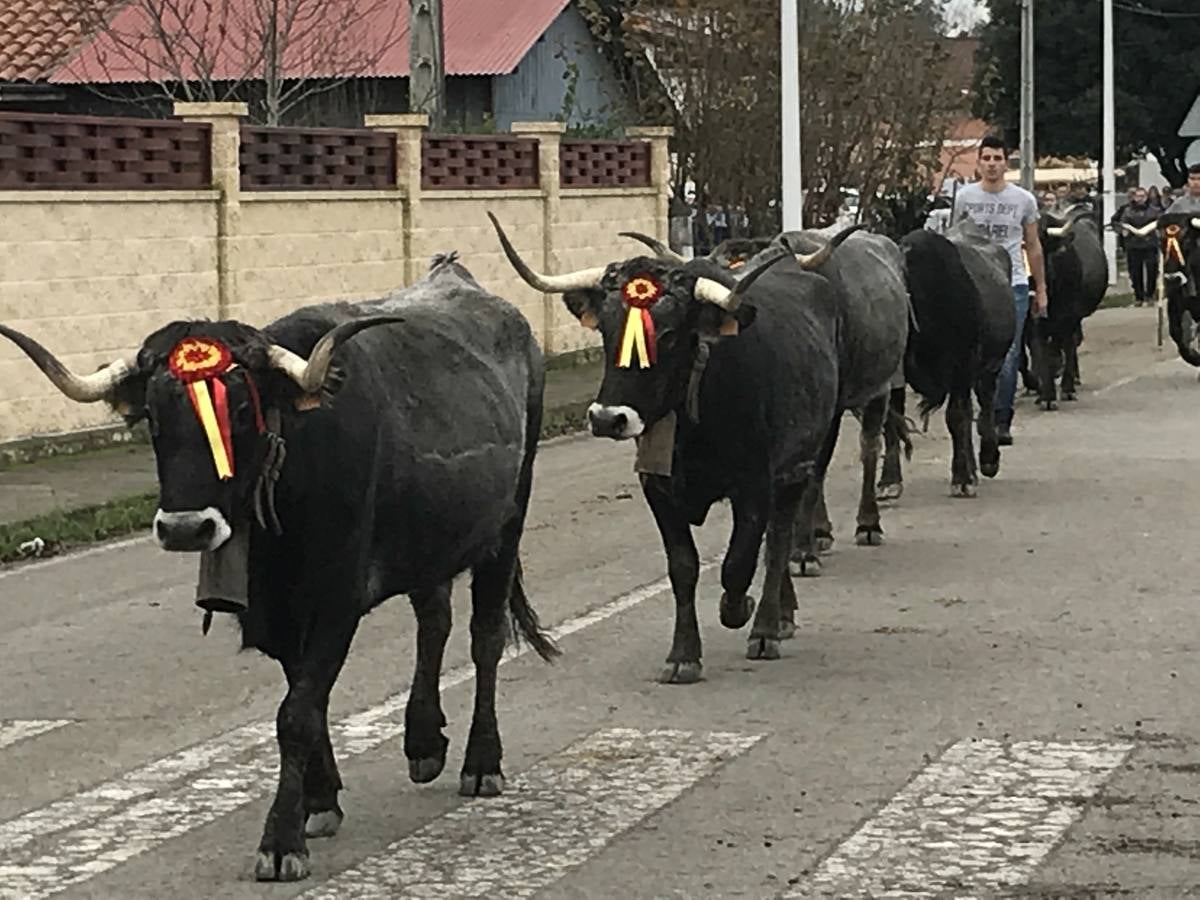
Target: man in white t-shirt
(1189,200)
(1008,214)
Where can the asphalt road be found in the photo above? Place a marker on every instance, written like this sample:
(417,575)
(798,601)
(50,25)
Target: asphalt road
(1000,701)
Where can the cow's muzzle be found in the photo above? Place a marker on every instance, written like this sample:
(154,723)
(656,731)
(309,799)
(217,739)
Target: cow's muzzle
(191,531)
(617,422)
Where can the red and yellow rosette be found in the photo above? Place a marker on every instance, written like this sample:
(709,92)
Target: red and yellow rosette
(1173,248)
(637,337)
(199,363)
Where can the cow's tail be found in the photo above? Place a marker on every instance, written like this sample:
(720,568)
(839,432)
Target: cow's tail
(525,623)
(904,428)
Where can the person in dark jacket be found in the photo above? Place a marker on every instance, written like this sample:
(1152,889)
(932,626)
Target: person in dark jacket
(1136,223)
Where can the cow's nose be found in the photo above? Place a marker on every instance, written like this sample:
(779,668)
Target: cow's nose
(607,421)
(191,531)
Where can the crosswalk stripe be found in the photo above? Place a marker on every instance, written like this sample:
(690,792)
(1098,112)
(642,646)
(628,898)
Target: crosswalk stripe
(552,819)
(984,815)
(105,826)
(13,730)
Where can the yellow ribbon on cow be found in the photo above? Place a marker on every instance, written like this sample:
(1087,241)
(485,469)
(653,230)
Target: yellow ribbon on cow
(203,403)
(633,339)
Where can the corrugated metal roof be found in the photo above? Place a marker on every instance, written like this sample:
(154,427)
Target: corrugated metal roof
(362,38)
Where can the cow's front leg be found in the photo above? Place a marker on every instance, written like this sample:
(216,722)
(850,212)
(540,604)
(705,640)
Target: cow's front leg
(1070,376)
(765,633)
(751,508)
(1047,359)
(683,568)
(813,533)
(491,583)
(869,532)
(962,465)
(283,853)
(424,744)
(891,480)
(989,440)
(322,782)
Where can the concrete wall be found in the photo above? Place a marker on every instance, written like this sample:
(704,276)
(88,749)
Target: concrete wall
(91,273)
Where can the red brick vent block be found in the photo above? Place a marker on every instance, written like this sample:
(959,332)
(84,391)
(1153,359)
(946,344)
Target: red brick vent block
(497,163)
(586,164)
(275,159)
(90,153)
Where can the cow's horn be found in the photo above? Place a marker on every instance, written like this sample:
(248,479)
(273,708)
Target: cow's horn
(80,388)
(547,284)
(729,299)
(310,373)
(663,251)
(1059,232)
(811,261)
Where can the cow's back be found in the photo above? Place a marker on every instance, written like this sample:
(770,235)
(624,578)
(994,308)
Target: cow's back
(990,269)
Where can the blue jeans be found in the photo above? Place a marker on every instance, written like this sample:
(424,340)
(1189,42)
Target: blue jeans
(1006,385)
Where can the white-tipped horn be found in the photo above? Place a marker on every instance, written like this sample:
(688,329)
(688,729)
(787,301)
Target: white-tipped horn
(811,261)
(310,373)
(80,388)
(708,291)
(1196,224)
(547,284)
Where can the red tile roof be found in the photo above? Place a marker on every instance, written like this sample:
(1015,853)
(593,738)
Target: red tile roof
(38,40)
(38,36)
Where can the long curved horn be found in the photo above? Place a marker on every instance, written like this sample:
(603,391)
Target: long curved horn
(1059,232)
(661,249)
(80,388)
(547,284)
(310,373)
(729,299)
(812,261)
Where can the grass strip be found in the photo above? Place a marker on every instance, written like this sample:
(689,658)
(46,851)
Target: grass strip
(63,529)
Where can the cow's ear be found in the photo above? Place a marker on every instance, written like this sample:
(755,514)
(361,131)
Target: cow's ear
(128,399)
(584,305)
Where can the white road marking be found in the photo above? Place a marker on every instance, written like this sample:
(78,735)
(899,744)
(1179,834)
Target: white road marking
(13,730)
(983,815)
(552,819)
(104,826)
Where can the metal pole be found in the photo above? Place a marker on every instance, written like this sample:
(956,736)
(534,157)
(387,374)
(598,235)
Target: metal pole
(793,199)
(1028,158)
(1110,145)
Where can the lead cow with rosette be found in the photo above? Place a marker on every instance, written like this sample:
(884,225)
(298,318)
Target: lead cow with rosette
(730,388)
(410,425)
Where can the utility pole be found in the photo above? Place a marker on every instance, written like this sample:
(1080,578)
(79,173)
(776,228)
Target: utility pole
(793,198)
(426,61)
(1110,144)
(1028,152)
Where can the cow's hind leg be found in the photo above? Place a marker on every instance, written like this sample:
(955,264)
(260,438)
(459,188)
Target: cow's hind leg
(322,782)
(891,480)
(683,567)
(812,527)
(750,511)
(765,633)
(1046,360)
(962,465)
(989,440)
(1070,375)
(300,728)
(424,744)
(869,531)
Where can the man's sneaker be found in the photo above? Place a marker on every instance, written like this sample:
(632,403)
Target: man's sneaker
(1004,434)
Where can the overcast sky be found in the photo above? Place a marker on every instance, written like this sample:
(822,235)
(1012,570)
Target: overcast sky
(964,14)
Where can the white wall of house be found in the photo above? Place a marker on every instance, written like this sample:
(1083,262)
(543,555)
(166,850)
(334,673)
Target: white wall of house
(535,90)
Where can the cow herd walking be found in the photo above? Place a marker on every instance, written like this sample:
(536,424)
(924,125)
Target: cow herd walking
(349,452)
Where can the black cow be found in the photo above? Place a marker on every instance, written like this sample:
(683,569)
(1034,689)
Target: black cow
(1180,233)
(960,286)
(735,401)
(1076,280)
(409,459)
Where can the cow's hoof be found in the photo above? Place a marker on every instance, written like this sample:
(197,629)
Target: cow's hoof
(787,630)
(823,542)
(682,673)
(1048,405)
(989,469)
(323,824)
(762,648)
(962,491)
(481,785)
(1069,396)
(807,566)
(885,493)
(869,537)
(736,612)
(423,771)
(271,866)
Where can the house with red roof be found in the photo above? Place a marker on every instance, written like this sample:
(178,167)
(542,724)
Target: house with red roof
(338,60)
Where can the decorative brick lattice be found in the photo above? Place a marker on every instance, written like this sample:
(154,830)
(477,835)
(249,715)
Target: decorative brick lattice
(449,162)
(86,153)
(275,159)
(605,164)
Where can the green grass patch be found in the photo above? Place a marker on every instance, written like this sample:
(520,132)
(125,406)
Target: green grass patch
(69,528)
(565,419)
(1116,301)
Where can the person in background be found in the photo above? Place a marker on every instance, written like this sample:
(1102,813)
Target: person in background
(1141,250)
(1189,201)
(1007,214)
(1167,196)
(1154,198)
